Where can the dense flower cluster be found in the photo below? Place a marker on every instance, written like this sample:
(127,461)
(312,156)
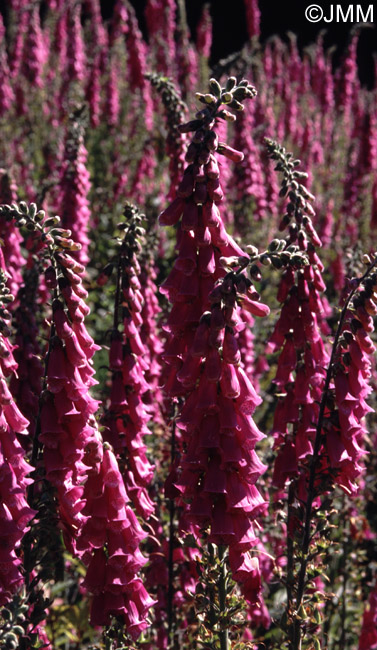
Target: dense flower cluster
(202,238)
(220,467)
(68,427)
(110,541)
(345,422)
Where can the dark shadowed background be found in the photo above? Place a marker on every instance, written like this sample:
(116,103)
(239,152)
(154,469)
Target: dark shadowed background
(277,17)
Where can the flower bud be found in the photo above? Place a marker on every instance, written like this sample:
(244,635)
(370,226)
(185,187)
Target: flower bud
(209,99)
(227,116)
(215,87)
(187,127)
(32,210)
(229,152)
(274,245)
(230,83)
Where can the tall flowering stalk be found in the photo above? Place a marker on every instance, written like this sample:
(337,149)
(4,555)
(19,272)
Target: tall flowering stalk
(252,18)
(65,424)
(303,358)
(74,187)
(126,416)
(219,468)
(7,94)
(324,401)
(136,65)
(33,56)
(248,178)
(161,23)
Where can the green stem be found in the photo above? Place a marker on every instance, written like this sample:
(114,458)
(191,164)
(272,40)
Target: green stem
(290,551)
(35,456)
(223,634)
(171,549)
(211,613)
(117,293)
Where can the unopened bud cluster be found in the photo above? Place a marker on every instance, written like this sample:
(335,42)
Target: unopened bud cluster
(231,95)
(298,207)
(47,230)
(5,298)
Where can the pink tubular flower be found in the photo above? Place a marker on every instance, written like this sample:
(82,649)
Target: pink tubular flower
(15,513)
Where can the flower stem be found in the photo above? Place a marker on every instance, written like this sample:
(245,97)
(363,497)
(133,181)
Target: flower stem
(290,549)
(171,549)
(223,634)
(117,294)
